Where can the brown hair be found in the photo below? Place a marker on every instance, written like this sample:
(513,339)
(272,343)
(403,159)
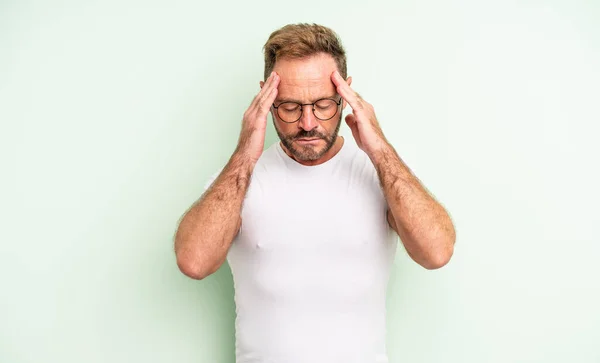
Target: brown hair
(303,40)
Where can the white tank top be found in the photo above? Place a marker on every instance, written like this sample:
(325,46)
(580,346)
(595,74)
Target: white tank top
(311,261)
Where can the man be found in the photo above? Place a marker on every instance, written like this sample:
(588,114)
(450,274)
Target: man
(309,226)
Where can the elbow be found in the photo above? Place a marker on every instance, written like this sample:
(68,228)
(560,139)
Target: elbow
(440,257)
(193,267)
(443,253)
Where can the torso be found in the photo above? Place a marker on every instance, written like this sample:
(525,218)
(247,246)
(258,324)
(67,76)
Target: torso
(311,261)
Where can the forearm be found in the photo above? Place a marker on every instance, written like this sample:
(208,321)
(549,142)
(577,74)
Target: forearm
(207,229)
(423,225)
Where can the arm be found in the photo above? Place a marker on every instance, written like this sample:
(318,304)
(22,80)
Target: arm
(423,225)
(208,228)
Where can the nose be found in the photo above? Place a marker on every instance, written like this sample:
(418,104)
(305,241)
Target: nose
(308,121)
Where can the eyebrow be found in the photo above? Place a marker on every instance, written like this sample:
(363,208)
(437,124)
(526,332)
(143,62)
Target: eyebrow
(282,100)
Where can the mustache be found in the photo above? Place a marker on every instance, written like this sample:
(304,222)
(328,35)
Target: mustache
(309,135)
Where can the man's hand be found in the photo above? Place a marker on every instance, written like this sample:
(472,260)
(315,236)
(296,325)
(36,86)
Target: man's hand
(422,223)
(362,121)
(254,124)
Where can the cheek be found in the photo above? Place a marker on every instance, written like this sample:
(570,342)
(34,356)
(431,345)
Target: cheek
(331,126)
(284,127)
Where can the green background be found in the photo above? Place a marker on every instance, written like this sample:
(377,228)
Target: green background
(114,114)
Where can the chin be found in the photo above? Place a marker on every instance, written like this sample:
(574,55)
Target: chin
(308,153)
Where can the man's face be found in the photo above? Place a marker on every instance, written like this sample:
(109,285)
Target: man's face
(306,81)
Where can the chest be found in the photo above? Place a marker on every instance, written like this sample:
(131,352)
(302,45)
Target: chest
(313,213)
(304,238)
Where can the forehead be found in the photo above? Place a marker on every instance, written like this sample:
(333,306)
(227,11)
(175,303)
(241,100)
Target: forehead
(305,79)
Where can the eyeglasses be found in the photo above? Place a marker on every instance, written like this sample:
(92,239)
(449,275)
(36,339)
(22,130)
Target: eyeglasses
(323,109)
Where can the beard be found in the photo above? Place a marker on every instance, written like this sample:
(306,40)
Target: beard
(308,152)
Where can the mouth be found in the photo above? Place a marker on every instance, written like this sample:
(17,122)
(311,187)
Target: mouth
(305,141)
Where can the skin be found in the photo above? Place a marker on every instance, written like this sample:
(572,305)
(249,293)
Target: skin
(424,226)
(306,81)
(207,229)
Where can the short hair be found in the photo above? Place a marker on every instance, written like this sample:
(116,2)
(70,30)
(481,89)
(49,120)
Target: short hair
(303,40)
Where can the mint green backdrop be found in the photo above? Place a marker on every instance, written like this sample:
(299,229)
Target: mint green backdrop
(115,113)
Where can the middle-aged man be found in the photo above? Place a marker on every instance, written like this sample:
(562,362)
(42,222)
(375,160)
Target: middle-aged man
(309,226)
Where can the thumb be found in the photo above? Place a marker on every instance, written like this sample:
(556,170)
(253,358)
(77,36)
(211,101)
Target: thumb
(351,121)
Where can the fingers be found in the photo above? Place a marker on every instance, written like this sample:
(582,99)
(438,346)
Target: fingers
(265,105)
(347,92)
(267,94)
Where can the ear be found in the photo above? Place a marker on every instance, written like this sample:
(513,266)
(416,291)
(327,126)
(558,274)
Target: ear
(261,83)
